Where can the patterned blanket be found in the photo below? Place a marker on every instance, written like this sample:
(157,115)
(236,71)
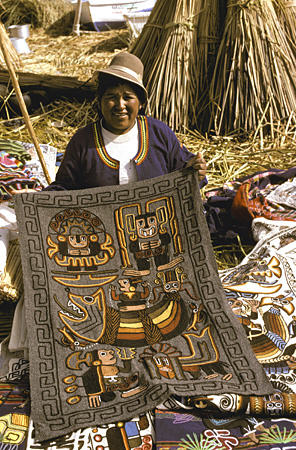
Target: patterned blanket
(124,305)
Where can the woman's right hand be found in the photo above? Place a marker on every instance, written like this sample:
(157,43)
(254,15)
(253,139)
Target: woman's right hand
(22,191)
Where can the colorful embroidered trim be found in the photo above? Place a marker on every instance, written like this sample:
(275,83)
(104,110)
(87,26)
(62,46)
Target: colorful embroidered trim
(101,149)
(143,140)
(143,144)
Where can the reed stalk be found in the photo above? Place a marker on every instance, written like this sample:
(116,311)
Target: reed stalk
(286,11)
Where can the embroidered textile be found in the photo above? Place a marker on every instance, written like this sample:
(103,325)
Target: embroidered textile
(184,430)
(14,405)
(124,305)
(135,434)
(261,291)
(231,208)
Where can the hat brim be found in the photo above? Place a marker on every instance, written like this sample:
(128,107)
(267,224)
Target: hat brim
(124,76)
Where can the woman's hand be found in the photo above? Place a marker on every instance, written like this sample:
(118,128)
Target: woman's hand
(198,163)
(21,191)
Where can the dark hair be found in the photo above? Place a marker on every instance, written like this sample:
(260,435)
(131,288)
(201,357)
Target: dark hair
(105,81)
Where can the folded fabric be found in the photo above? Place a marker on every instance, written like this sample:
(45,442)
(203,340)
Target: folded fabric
(20,167)
(261,227)
(135,434)
(261,291)
(14,400)
(124,305)
(284,194)
(12,178)
(184,430)
(231,208)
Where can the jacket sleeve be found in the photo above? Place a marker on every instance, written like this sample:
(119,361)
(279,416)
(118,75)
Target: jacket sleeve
(178,155)
(68,176)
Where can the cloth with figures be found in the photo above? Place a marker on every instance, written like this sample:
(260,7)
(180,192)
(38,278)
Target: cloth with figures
(260,293)
(124,305)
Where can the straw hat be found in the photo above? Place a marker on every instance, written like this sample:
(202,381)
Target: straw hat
(128,67)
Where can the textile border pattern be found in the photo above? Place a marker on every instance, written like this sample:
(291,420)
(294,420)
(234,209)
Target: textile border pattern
(102,351)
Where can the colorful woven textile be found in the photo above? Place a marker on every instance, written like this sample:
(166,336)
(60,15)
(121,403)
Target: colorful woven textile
(135,434)
(14,405)
(231,208)
(262,294)
(124,304)
(183,430)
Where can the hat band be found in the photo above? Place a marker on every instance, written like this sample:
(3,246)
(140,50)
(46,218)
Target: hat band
(128,71)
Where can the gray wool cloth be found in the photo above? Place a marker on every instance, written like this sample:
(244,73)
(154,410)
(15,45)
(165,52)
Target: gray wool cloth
(124,305)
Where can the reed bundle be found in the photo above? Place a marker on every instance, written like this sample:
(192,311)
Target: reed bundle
(286,10)
(209,25)
(254,78)
(166,47)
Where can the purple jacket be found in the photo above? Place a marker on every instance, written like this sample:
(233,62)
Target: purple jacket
(86,163)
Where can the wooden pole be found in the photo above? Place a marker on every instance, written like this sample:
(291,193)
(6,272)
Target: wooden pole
(76,25)
(22,104)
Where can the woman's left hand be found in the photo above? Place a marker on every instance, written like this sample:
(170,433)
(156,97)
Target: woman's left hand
(198,163)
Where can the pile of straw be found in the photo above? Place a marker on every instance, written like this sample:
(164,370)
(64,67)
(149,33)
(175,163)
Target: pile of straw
(79,56)
(209,24)
(38,13)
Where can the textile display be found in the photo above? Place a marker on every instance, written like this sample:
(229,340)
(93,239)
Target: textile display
(183,430)
(135,434)
(124,305)
(232,207)
(261,291)
(14,404)
(20,167)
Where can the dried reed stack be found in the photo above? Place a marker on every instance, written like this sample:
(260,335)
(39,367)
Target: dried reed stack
(166,46)
(254,79)
(209,24)
(286,10)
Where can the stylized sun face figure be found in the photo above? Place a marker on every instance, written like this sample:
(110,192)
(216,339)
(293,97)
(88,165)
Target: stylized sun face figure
(78,240)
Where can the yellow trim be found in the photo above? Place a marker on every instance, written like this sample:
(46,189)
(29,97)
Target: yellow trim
(143,144)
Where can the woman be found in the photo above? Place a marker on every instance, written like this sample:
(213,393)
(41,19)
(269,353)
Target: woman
(123,145)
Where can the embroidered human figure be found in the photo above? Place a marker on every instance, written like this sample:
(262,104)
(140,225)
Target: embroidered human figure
(130,298)
(105,376)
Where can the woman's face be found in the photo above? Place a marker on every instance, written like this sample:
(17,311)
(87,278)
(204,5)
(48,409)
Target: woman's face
(119,107)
